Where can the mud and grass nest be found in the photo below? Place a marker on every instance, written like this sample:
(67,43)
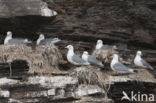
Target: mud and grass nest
(90,75)
(44,59)
(104,54)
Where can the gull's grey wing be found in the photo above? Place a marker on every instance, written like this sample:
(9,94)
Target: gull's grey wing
(77,59)
(146,64)
(43,42)
(121,67)
(49,40)
(105,47)
(92,60)
(109,47)
(16,41)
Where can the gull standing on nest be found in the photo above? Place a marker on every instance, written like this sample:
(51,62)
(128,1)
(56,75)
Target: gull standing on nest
(42,41)
(118,67)
(91,59)
(74,59)
(138,61)
(10,40)
(100,45)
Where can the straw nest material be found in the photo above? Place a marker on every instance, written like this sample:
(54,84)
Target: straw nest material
(42,60)
(85,76)
(90,75)
(103,54)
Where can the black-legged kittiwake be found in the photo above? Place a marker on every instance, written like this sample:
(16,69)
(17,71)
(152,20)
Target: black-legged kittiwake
(118,67)
(10,40)
(138,61)
(74,59)
(91,59)
(42,41)
(100,45)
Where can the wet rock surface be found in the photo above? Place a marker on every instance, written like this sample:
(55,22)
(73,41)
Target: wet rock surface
(114,21)
(21,8)
(120,22)
(129,24)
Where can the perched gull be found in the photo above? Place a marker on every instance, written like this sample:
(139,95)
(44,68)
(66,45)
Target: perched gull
(138,61)
(42,41)
(74,59)
(10,40)
(99,45)
(118,67)
(91,59)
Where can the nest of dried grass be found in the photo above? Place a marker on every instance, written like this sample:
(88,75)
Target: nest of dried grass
(90,75)
(42,60)
(85,76)
(9,53)
(104,54)
(50,54)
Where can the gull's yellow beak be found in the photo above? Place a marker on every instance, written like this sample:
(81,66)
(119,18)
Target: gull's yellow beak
(66,47)
(111,57)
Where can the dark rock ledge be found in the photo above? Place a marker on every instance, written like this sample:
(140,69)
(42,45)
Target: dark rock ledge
(130,24)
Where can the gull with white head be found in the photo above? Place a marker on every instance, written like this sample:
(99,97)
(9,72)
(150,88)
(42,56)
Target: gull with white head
(91,59)
(138,61)
(10,40)
(100,45)
(74,59)
(118,67)
(42,40)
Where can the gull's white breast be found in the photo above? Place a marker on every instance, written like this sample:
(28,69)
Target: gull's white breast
(137,61)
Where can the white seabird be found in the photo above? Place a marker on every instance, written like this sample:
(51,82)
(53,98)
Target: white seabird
(118,67)
(91,59)
(10,40)
(74,59)
(138,61)
(42,41)
(100,45)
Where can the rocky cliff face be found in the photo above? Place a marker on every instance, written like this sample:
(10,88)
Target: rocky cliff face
(129,24)
(19,7)
(114,21)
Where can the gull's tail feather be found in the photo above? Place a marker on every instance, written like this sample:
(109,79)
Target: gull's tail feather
(27,41)
(55,40)
(150,67)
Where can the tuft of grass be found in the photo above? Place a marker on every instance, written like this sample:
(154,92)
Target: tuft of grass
(104,54)
(44,59)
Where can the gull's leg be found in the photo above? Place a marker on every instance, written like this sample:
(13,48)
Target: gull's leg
(10,69)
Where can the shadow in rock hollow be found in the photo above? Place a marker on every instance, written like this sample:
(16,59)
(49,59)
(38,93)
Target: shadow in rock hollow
(24,26)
